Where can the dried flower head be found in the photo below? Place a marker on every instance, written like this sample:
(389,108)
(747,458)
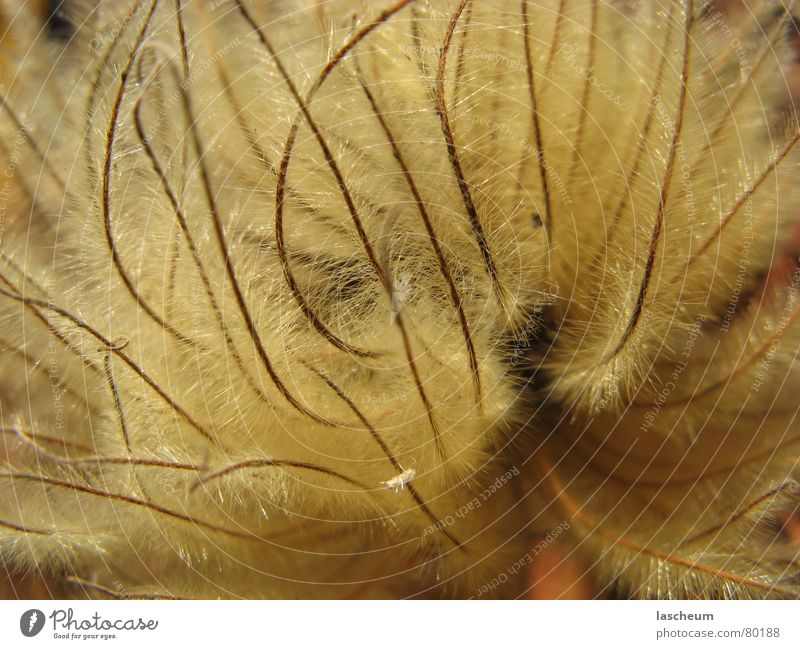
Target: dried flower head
(339,299)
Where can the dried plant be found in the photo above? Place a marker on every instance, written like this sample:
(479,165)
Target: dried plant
(332,299)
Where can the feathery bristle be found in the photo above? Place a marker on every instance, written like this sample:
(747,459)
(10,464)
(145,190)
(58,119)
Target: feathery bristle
(320,299)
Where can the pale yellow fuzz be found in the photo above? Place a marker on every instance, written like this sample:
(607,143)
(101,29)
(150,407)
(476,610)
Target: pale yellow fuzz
(361,299)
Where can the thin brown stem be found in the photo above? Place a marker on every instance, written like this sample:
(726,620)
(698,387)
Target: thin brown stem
(575,511)
(655,237)
(452,153)
(455,296)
